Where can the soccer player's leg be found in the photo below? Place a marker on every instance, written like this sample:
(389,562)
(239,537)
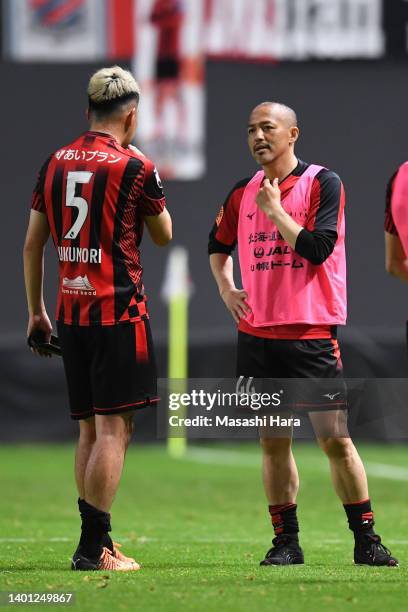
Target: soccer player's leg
(124,379)
(96,550)
(74,344)
(350,483)
(280,476)
(79,352)
(87,438)
(281,483)
(347,469)
(287,359)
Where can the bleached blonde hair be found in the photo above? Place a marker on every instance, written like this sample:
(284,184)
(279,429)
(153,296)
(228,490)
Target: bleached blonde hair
(109,84)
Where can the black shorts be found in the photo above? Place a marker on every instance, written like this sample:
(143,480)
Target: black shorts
(109,369)
(317,362)
(167,68)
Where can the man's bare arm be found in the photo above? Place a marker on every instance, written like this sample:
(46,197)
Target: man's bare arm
(37,235)
(222,267)
(160,228)
(396,261)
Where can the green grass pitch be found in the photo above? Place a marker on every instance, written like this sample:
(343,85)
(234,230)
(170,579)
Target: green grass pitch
(199,526)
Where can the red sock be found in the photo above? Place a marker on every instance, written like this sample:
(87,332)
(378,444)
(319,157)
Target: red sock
(284,518)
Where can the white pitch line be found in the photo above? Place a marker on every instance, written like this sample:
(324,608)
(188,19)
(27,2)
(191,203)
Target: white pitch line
(222,457)
(35,540)
(149,540)
(226,457)
(384,470)
(142,540)
(145,540)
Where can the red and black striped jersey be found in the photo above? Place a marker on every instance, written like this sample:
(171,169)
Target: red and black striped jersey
(389,225)
(327,201)
(96,194)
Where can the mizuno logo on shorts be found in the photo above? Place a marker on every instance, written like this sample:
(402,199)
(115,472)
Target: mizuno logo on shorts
(331,396)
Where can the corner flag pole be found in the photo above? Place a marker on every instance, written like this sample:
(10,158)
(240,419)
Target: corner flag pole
(176,292)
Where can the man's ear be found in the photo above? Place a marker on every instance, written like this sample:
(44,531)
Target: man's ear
(130,118)
(294,134)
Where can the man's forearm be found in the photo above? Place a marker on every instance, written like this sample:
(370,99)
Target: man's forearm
(222,267)
(33,276)
(288,228)
(160,228)
(268,200)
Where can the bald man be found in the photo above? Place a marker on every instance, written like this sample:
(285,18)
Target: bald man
(288,222)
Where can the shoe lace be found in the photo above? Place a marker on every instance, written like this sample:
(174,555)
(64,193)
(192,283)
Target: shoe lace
(107,561)
(116,552)
(279,542)
(376,546)
(119,555)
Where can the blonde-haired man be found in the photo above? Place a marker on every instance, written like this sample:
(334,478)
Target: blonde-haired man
(94,196)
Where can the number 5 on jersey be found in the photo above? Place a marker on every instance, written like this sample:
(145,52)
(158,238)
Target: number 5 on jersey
(73,178)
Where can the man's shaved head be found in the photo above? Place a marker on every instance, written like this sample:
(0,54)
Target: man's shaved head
(285,113)
(272,134)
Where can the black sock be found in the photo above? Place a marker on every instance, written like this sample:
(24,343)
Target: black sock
(284,519)
(107,540)
(360,517)
(95,528)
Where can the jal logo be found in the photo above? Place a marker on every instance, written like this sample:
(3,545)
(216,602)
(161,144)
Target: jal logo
(259,252)
(250,215)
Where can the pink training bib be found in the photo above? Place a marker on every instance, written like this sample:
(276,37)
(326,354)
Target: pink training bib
(399,205)
(284,288)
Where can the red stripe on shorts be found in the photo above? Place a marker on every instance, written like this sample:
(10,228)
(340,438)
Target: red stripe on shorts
(141,342)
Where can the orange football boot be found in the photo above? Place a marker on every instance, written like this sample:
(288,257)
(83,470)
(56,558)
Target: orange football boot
(106,562)
(119,555)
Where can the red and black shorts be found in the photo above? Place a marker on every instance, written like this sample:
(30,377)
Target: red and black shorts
(109,369)
(315,364)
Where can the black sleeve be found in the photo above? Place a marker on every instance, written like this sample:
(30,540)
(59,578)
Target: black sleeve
(327,198)
(151,199)
(215,246)
(317,241)
(315,246)
(389,225)
(37,200)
